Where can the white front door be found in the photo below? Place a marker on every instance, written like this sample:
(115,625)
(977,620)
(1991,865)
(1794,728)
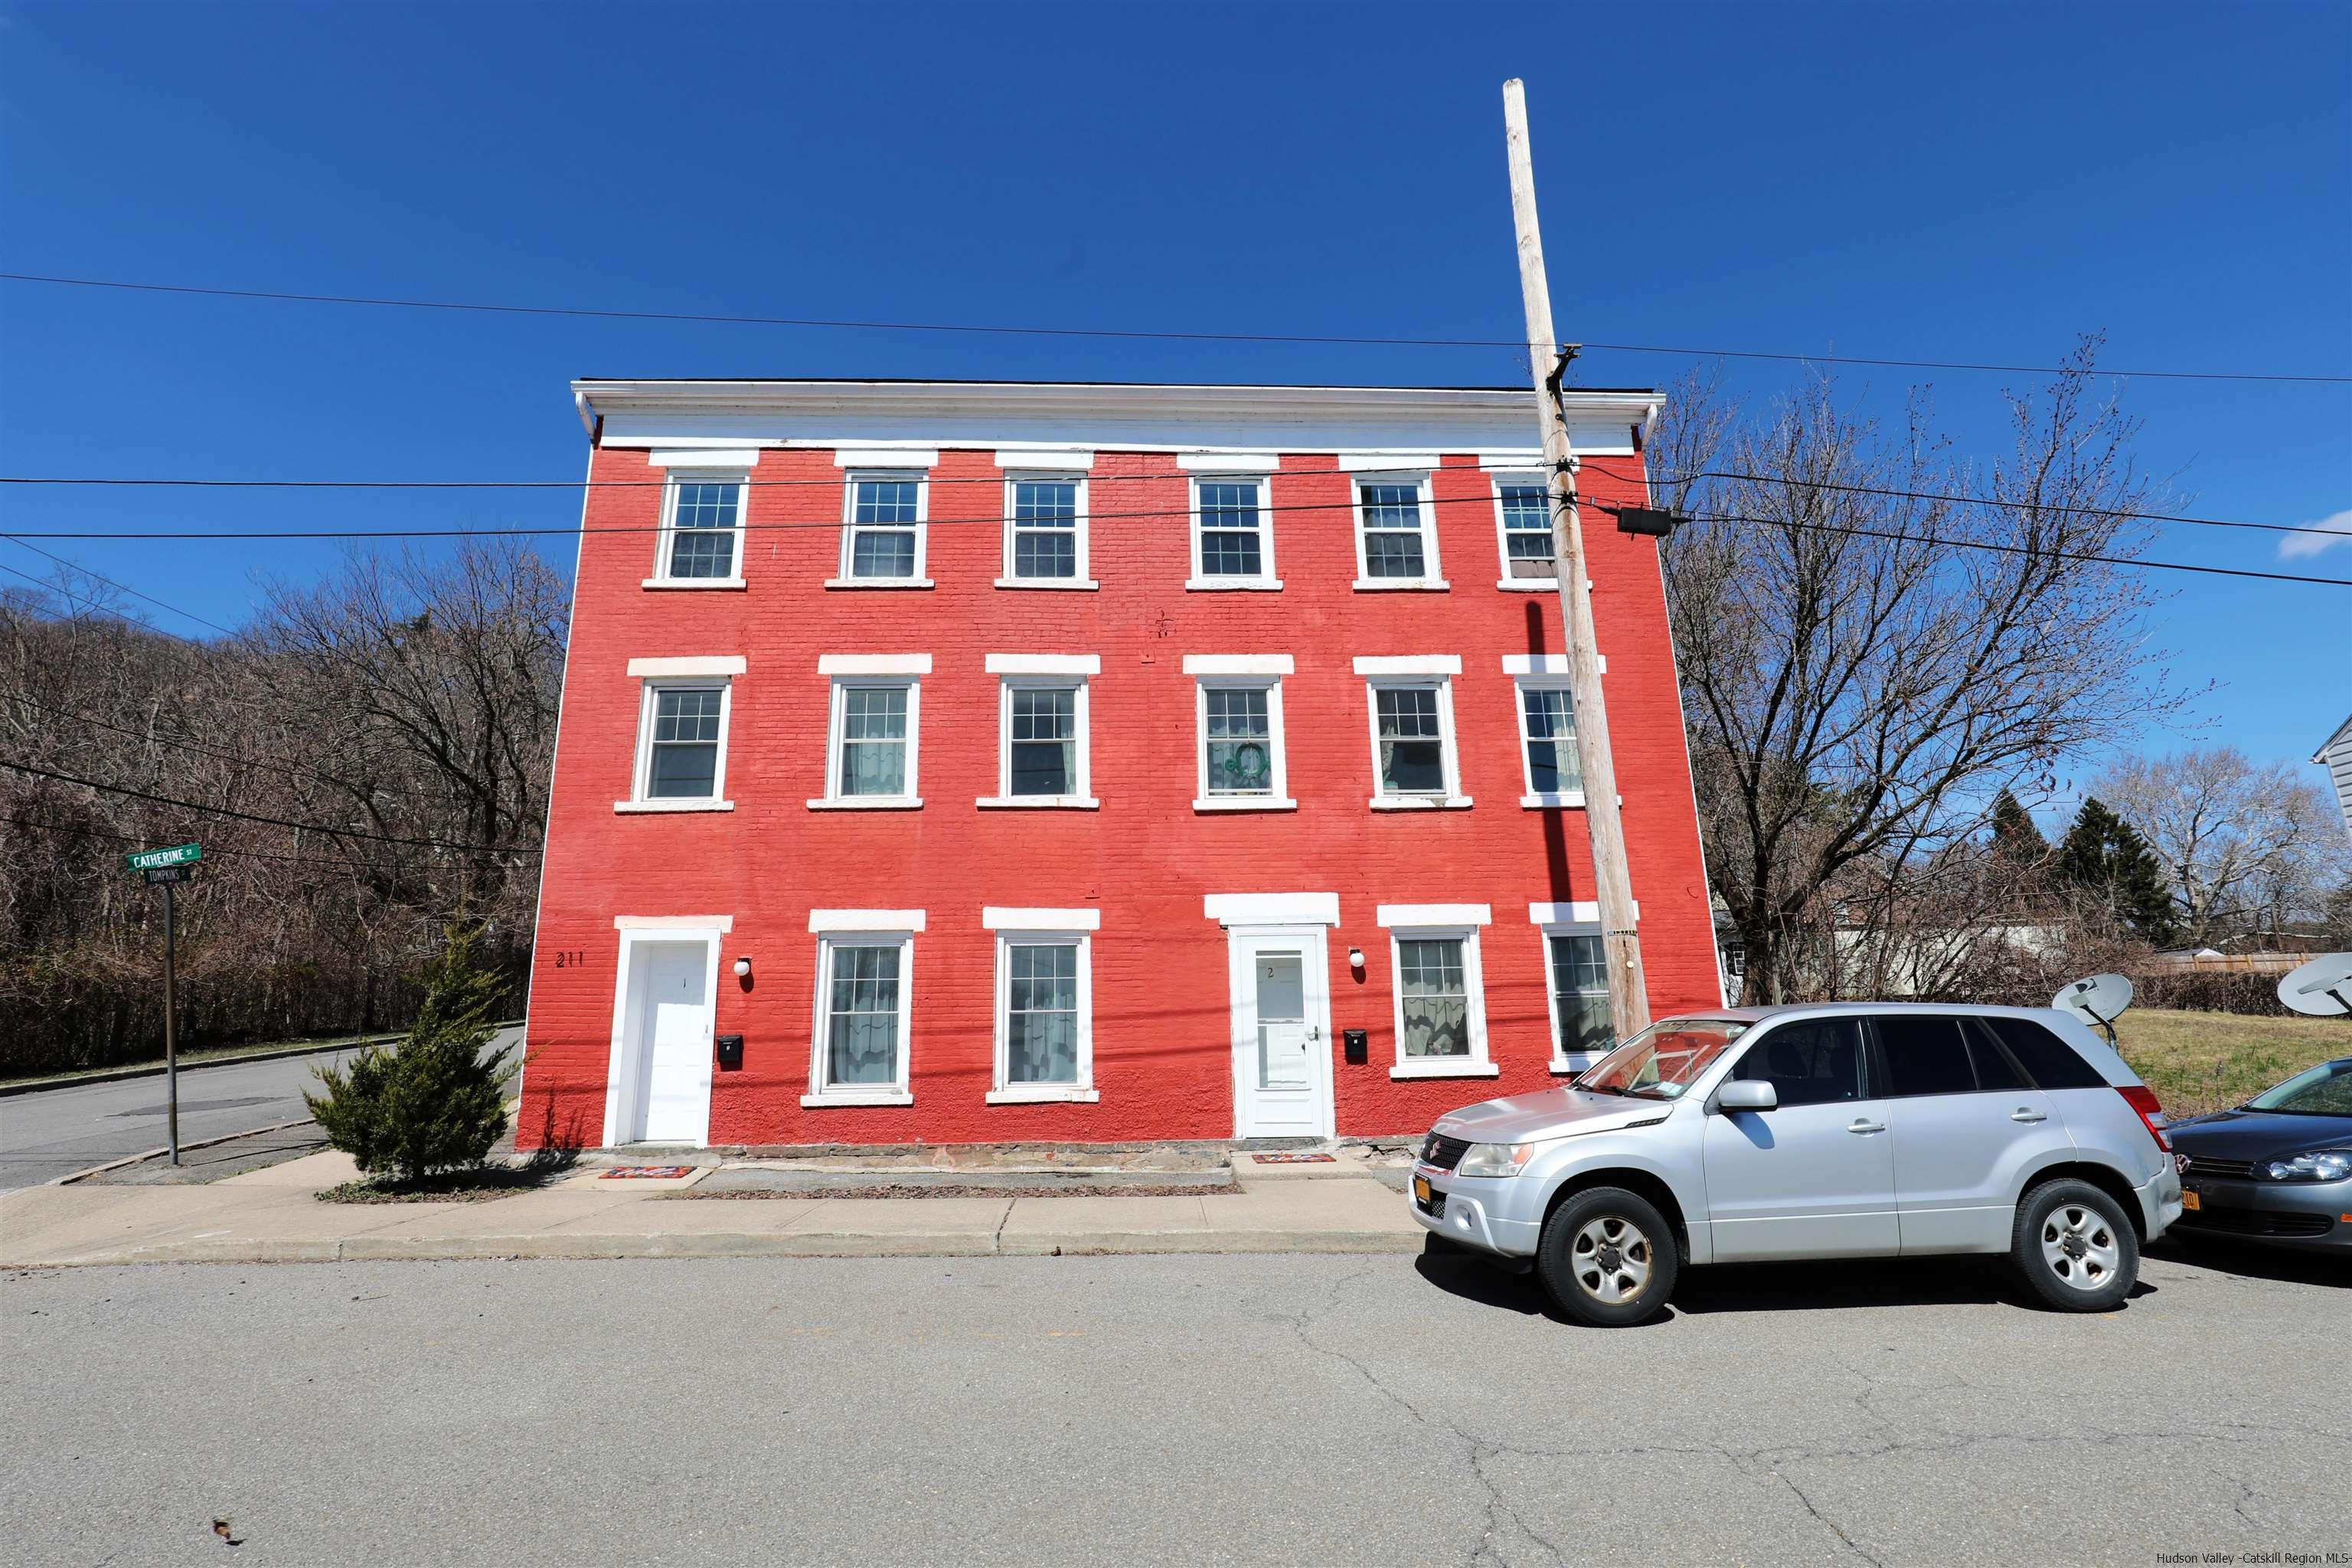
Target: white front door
(1281,1016)
(674,1043)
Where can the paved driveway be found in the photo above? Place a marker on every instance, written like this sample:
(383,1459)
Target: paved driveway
(1194,1410)
(49,1134)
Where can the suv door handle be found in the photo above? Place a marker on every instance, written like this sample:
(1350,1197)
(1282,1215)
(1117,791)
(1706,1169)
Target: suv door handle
(1864,1125)
(2027,1113)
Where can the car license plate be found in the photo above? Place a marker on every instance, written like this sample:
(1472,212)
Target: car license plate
(2189,1200)
(1421,1188)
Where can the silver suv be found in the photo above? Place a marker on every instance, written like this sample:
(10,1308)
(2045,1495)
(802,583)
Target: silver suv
(1851,1130)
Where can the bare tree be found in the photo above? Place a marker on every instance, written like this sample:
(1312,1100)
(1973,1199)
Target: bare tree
(1868,658)
(2247,848)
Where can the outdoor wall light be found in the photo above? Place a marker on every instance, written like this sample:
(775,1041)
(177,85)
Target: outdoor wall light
(1355,958)
(743,968)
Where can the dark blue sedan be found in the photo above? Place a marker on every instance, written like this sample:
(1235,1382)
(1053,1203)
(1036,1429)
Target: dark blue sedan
(2277,1170)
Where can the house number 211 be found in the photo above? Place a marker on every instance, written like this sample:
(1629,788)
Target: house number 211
(570,960)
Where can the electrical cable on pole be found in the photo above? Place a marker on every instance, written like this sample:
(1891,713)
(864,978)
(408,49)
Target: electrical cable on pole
(1628,1003)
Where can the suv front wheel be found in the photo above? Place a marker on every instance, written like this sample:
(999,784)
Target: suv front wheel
(2074,1247)
(1608,1257)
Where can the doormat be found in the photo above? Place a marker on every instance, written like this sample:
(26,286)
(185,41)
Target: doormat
(647,1172)
(1295,1159)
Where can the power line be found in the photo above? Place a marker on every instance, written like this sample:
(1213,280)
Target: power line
(1655,481)
(1131,334)
(2024,550)
(995,522)
(269,821)
(269,765)
(110,583)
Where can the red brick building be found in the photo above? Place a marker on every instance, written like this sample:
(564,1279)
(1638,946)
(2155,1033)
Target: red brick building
(1035,762)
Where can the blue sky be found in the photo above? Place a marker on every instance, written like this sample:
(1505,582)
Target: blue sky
(1971,182)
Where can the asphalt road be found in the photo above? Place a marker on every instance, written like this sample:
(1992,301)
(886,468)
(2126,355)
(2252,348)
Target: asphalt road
(1185,1411)
(54,1131)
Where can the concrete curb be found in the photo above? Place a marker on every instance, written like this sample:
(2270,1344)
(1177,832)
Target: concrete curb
(70,1177)
(120,1075)
(369,1248)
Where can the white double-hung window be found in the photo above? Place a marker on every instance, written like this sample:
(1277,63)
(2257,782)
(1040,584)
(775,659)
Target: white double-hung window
(700,542)
(1042,741)
(1396,537)
(872,731)
(1576,976)
(1044,526)
(1547,720)
(1439,999)
(1241,761)
(1044,1004)
(1232,525)
(858,1046)
(883,531)
(681,752)
(1523,526)
(1415,764)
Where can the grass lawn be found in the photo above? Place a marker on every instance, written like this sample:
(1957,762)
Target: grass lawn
(2197,1062)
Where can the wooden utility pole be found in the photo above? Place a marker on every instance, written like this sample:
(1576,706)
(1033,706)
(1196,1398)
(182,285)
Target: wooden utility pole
(1629,1002)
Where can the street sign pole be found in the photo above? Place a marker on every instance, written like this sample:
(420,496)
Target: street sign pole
(169,868)
(171,1028)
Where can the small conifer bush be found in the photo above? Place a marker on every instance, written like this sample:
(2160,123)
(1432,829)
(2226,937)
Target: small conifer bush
(434,1102)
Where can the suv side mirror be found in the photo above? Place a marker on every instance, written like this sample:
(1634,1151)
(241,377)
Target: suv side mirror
(1746,1094)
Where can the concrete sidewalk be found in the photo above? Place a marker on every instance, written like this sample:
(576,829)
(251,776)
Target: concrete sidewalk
(272,1215)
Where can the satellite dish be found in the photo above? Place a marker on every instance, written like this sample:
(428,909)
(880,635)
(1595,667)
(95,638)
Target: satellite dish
(2322,988)
(2099,1000)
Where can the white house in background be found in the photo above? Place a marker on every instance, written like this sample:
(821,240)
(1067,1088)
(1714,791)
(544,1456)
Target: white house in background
(2336,757)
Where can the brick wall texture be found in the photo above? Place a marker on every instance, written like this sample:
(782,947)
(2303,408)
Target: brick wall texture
(1163,1054)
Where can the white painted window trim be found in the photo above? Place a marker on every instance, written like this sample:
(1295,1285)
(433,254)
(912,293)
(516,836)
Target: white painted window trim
(1070,672)
(1240,672)
(1546,663)
(1497,479)
(709,474)
(1266,581)
(724,664)
(1478,1063)
(1258,464)
(903,670)
(1522,682)
(850,526)
(650,687)
(723,924)
(1084,581)
(1435,677)
(1412,663)
(1052,460)
(722,458)
(1387,463)
(1023,928)
(824,921)
(1432,573)
(1387,915)
(829,939)
(1043,664)
(1580,919)
(923,457)
(1234,910)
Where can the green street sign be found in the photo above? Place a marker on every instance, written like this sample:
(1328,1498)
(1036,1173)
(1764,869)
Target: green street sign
(178,855)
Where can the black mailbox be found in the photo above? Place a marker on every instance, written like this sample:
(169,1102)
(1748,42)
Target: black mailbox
(1357,1044)
(730,1053)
